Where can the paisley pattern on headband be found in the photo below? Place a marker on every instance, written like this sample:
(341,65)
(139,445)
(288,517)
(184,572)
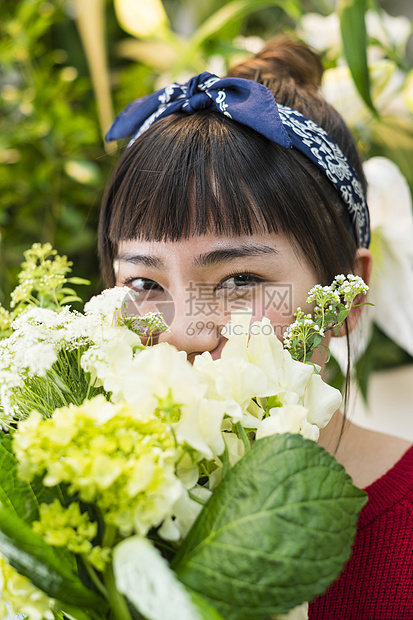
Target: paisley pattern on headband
(253,105)
(315,143)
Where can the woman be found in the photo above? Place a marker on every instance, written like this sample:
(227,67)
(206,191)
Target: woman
(224,199)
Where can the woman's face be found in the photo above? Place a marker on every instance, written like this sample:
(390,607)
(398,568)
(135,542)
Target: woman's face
(196,283)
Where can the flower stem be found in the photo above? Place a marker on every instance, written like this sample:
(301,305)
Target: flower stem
(243,435)
(94,577)
(116,599)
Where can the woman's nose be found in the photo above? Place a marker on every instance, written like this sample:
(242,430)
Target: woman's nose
(194,330)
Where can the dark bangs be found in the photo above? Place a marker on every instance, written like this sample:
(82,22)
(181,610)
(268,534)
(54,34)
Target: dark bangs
(204,173)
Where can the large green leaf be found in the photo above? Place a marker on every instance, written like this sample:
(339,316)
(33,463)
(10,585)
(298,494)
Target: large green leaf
(276,532)
(354,36)
(18,496)
(38,561)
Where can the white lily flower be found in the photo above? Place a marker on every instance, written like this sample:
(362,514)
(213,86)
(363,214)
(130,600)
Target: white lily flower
(390,31)
(141,19)
(391,286)
(322,33)
(386,82)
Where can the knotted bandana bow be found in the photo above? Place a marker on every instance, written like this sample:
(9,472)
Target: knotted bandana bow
(253,105)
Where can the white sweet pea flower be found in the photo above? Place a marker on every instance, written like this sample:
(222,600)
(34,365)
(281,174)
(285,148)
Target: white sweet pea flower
(234,382)
(146,579)
(200,427)
(321,400)
(391,285)
(185,511)
(288,377)
(265,369)
(156,373)
(288,419)
(157,376)
(233,379)
(295,383)
(235,446)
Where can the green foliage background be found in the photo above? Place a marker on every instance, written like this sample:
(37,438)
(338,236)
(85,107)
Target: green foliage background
(55,105)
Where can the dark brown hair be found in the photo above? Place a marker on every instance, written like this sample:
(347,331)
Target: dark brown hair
(203,173)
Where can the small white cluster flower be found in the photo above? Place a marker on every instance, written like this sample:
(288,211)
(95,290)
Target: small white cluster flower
(354,286)
(109,301)
(322,295)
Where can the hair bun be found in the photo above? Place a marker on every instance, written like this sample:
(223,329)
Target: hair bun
(282,60)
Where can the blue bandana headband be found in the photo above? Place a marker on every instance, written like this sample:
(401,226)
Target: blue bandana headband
(253,105)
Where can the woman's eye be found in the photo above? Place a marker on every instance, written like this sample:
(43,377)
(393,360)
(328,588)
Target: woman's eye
(143,284)
(239,280)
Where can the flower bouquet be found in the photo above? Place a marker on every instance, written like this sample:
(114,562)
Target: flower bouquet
(136,485)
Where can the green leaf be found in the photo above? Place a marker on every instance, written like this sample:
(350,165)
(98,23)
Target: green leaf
(38,561)
(70,299)
(237,9)
(206,611)
(19,497)
(276,532)
(76,280)
(354,37)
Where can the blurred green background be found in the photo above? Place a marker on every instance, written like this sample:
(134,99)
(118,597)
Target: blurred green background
(66,66)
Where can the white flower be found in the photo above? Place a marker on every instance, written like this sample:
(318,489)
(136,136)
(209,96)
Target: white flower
(185,511)
(390,31)
(108,302)
(200,427)
(391,285)
(298,613)
(157,372)
(145,578)
(233,381)
(288,419)
(321,400)
(386,82)
(39,358)
(322,33)
(149,378)
(275,373)
(141,20)
(233,378)
(110,357)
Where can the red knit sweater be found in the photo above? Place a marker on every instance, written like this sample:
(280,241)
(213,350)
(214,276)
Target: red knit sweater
(377,582)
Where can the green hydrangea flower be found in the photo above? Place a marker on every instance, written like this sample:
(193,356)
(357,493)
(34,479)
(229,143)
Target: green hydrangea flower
(108,455)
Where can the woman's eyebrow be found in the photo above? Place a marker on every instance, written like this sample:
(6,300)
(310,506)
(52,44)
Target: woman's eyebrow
(223,255)
(147,260)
